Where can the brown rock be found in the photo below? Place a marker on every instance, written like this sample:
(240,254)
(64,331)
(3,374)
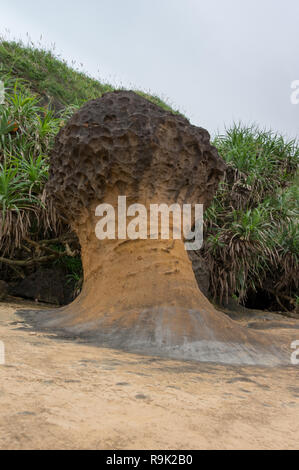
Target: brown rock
(48,285)
(141,295)
(123,143)
(201,271)
(3,290)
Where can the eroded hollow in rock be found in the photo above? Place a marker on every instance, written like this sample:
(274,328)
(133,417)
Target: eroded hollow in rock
(141,295)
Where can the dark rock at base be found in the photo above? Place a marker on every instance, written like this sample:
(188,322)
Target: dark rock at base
(201,271)
(46,285)
(3,290)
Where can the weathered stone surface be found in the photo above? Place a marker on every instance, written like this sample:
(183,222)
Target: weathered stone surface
(201,271)
(45,285)
(125,142)
(3,290)
(141,295)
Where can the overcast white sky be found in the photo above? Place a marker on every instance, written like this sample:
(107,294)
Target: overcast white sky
(216,60)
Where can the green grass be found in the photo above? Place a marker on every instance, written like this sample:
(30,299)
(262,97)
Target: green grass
(49,76)
(53,79)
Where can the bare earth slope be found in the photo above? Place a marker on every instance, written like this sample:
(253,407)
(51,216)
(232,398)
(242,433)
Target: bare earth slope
(62,394)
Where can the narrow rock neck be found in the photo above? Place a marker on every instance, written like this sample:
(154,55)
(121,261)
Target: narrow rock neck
(130,274)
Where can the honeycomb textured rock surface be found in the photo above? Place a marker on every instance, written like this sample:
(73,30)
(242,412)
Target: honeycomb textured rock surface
(141,294)
(121,140)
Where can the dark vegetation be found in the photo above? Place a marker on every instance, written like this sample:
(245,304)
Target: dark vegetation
(251,242)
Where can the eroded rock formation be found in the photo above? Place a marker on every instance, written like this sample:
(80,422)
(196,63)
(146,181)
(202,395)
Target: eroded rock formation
(123,144)
(141,295)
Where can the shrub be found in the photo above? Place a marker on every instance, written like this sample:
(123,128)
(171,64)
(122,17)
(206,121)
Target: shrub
(251,228)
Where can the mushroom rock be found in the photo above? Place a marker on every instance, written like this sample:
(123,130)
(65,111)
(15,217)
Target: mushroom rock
(141,295)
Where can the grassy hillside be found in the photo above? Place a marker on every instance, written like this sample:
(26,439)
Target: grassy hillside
(251,241)
(52,78)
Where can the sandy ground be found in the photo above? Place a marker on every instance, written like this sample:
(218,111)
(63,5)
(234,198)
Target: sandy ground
(61,394)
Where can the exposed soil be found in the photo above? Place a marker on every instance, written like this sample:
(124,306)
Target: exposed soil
(59,393)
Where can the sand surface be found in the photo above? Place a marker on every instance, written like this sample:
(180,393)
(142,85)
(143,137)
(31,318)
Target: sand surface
(62,394)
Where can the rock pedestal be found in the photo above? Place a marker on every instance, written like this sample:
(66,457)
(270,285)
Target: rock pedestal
(141,295)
